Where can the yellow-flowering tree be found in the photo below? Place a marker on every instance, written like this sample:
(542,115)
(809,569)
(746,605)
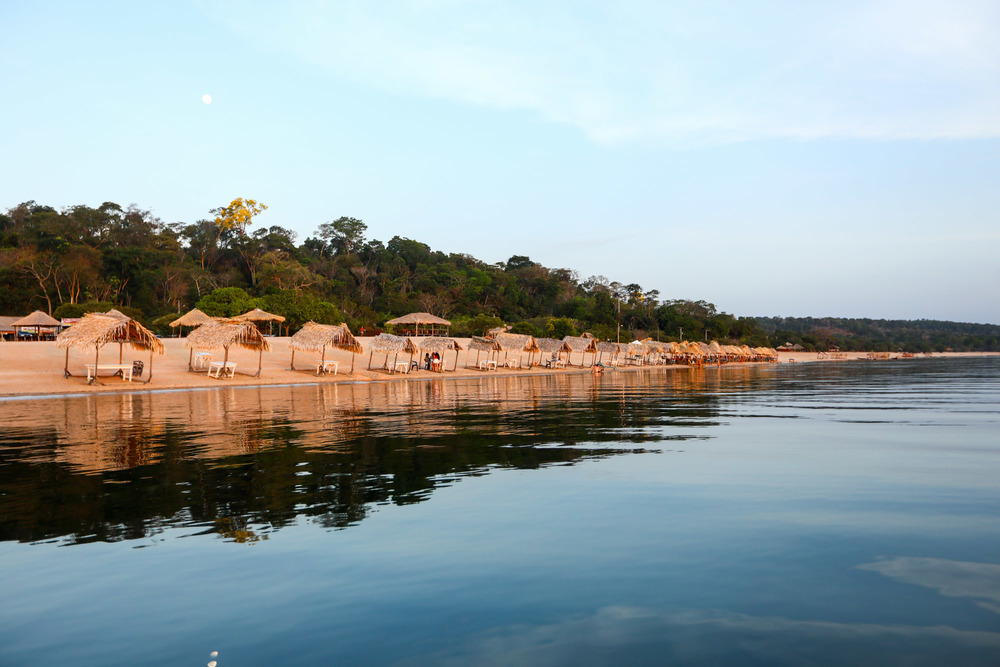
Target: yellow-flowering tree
(235,219)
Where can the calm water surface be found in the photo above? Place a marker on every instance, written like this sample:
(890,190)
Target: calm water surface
(827,513)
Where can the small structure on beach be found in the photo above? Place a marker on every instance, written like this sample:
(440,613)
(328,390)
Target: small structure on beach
(482,344)
(258,316)
(315,337)
(223,334)
(420,324)
(516,343)
(191,319)
(36,321)
(95,330)
(553,348)
(389,344)
(439,345)
(583,344)
(611,349)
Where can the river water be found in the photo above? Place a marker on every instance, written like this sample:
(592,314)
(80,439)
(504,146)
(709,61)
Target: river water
(825,513)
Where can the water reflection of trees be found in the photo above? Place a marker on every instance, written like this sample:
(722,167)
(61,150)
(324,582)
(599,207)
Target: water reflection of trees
(242,462)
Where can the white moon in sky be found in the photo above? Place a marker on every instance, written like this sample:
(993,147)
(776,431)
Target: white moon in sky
(206,98)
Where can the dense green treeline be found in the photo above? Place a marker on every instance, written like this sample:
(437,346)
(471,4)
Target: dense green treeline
(881,335)
(80,259)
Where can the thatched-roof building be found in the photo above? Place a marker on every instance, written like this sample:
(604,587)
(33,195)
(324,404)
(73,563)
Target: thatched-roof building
(223,334)
(389,344)
(481,344)
(420,324)
(583,344)
(607,347)
(440,346)
(96,330)
(315,337)
(36,320)
(516,343)
(191,319)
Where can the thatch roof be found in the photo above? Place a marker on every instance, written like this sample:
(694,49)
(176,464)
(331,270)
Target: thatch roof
(97,329)
(419,318)
(553,345)
(258,315)
(585,343)
(496,330)
(509,342)
(37,319)
(673,348)
(192,318)
(315,337)
(438,344)
(715,348)
(609,347)
(114,312)
(218,335)
(387,343)
(483,344)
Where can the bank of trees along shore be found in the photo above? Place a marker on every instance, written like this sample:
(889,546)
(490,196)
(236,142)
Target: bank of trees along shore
(79,259)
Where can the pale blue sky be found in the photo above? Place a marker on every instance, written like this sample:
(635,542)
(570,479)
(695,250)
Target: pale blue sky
(774,158)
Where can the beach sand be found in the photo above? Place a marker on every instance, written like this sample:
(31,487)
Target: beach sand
(36,368)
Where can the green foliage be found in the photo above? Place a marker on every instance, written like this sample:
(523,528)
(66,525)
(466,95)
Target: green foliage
(80,309)
(476,325)
(526,328)
(560,327)
(227,302)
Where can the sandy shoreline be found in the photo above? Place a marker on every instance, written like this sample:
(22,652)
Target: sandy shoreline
(30,369)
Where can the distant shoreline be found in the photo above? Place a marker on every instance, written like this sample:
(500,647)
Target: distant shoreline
(30,370)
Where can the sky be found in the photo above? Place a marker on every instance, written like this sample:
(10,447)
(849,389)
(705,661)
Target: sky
(774,158)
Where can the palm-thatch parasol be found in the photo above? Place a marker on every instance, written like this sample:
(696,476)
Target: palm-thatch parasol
(420,324)
(496,330)
(316,337)
(35,320)
(582,344)
(481,344)
(192,319)
(388,344)
(114,312)
(517,343)
(222,334)
(97,330)
(613,349)
(257,316)
(553,347)
(440,345)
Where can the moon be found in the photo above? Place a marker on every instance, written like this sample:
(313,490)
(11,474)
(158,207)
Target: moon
(206,98)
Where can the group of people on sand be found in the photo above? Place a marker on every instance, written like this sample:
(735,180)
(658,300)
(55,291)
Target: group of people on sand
(432,361)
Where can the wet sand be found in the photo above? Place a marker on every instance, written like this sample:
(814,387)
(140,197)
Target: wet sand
(36,368)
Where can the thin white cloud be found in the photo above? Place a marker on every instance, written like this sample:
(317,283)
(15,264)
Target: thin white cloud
(641,71)
(979,581)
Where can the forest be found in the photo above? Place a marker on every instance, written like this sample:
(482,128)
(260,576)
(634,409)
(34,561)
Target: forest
(82,259)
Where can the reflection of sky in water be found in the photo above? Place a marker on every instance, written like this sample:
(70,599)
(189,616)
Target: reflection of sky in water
(777,532)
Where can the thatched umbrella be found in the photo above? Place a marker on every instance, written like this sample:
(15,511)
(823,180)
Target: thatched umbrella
(553,347)
(582,344)
(257,316)
(37,319)
(440,345)
(221,334)
(97,330)
(388,344)
(316,337)
(496,330)
(480,345)
(614,349)
(420,324)
(192,319)
(518,343)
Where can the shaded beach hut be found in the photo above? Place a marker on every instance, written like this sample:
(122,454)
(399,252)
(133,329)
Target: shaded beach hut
(583,344)
(610,348)
(257,316)
(420,324)
(223,334)
(516,343)
(191,319)
(36,321)
(96,330)
(315,337)
(389,344)
(551,347)
(440,345)
(481,344)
